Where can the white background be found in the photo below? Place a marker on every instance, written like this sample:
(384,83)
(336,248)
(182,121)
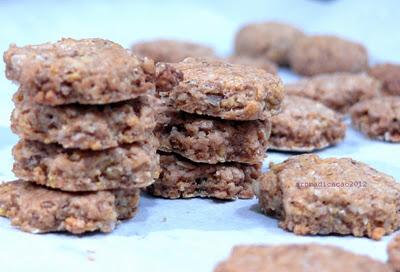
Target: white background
(191,234)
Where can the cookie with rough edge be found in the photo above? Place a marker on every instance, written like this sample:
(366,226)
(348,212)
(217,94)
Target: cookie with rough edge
(389,75)
(260,63)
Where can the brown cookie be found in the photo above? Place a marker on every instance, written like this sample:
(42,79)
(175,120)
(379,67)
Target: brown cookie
(125,167)
(389,75)
(227,91)
(268,40)
(88,71)
(298,258)
(337,91)
(312,55)
(378,118)
(310,196)
(260,63)
(393,251)
(37,209)
(181,178)
(305,125)
(171,50)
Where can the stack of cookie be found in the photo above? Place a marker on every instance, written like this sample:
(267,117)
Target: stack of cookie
(214,130)
(85,115)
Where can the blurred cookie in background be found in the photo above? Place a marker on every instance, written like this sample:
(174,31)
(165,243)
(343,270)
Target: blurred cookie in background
(389,75)
(261,63)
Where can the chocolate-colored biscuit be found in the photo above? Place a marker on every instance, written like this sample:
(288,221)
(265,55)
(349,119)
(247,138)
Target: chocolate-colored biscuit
(311,55)
(310,196)
(37,209)
(268,40)
(305,125)
(181,178)
(260,63)
(95,127)
(124,167)
(171,50)
(212,140)
(227,91)
(379,118)
(88,71)
(337,91)
(389,75)
(298,258)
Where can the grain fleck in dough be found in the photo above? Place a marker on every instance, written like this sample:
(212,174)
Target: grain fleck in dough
(310,196)
(305,125)
(270,40)
(389,75)
(298,258)
(312,55)
(338,91)
(260,63)
(227,91)
(88,71)
(37,209)
(378,118)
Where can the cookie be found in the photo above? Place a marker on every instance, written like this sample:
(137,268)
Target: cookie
(270,40)
(181,178)
(227,91)
(310,196)
(95,127)
(171,50)
(389,75)
(298,258)
(393,251)
(305,125)
(37,209)
(337,91)
(124,167)
(378,118)
(260,63)
(88,71)
(312,55)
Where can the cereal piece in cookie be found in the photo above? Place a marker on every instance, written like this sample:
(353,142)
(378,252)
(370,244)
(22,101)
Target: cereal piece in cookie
(270,40)
(171,50)
(389,75)
(260,63)
(310,196)
(298,258)
(305,125)
(378,118)
(88,71)
(37,209)
(181,178)
(337,91)
(211,140)
(123,167)
(227,91)
(311,55)
(393,251)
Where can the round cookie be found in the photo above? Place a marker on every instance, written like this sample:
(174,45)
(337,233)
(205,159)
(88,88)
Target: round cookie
(305,125)
(270,40)
(88,71)
(338,91)
(378,118)
(311,196)
(171,50)
(227,91)
(260,63)
(321,54)
(298,258)
(389,75)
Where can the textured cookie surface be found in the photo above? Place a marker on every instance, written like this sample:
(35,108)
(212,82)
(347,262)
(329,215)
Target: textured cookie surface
(37,209)
(226,91)
(88,71)
(337,91)
(181,178)
(94,127)
(261,63)
(305,125)
(124,167)
(389,75)
(378,118)
(311,55)
(171,50)
(310,195)
(298,258)
(269,40)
